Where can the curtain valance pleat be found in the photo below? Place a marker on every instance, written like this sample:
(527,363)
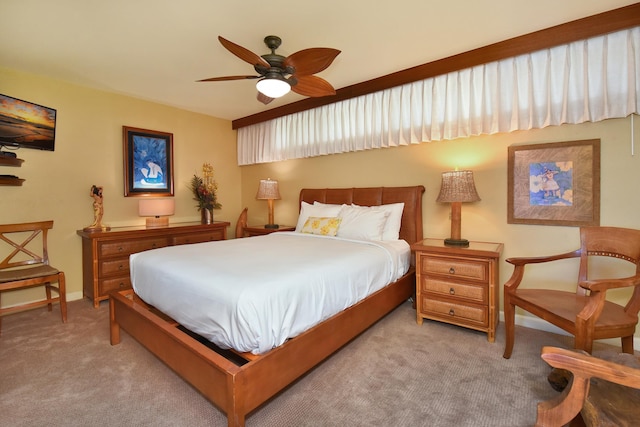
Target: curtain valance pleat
(589,80)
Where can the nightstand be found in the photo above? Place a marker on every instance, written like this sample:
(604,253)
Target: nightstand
(260,230)
(458,285)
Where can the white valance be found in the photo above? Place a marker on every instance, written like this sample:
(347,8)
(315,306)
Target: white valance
(589,80)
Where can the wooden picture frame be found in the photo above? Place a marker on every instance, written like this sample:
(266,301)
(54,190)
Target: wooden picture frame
(554,184)
(148,162)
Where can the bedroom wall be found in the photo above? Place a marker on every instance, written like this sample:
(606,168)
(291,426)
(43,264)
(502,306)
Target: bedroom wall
(486,220)
(89,151)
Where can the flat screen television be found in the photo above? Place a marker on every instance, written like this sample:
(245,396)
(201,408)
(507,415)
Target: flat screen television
(26,125)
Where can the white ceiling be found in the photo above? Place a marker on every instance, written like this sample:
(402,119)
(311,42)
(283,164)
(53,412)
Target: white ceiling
(157,49)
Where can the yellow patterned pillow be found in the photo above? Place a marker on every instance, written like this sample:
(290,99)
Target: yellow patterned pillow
(323,226)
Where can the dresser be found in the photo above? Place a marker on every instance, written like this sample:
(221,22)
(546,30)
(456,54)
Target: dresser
(105,254)
(458,285)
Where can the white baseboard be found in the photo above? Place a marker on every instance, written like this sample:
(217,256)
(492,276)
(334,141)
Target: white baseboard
(542,325)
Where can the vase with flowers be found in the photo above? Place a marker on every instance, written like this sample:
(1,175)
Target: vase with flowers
(204,190)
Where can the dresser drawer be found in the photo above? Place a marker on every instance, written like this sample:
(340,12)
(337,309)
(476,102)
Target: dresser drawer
(452,312)
(464,269)
(113,267)
(198,238)
(474,293)
(127,247)
(117,283)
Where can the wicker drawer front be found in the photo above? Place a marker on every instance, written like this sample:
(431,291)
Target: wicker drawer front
(471,270)
(128,247)
(198,238)
(114,267)
(451,312)
(475,293)
(118,283)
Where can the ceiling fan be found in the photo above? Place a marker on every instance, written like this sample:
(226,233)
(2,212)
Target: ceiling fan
(278,74)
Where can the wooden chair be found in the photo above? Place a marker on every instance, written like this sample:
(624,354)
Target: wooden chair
(585,314)
(242,223)
(605,393)
(26,266)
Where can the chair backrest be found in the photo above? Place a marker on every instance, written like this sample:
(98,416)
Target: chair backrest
(242,223)
(623,243)
(18,237)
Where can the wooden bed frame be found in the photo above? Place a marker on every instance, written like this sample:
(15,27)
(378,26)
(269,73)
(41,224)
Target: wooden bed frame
(238,390)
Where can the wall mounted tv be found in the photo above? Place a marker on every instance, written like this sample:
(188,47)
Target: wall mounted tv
(26,125)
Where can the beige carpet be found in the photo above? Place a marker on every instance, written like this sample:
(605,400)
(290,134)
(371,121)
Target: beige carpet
(395,374)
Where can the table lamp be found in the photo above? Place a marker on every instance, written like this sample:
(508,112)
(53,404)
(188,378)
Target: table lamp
(457,188)
(157,211)
(268,190)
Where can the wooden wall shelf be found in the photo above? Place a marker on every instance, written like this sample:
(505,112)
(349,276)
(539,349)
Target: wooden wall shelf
(10,180)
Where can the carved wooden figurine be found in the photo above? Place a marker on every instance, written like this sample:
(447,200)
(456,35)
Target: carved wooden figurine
(98,210)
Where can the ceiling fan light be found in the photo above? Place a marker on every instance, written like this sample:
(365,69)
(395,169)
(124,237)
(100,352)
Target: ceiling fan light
(273,87)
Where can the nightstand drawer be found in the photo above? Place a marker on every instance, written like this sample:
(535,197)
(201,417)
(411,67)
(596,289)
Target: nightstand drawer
(455,290)
(464,269)
(124,247)
(451,312)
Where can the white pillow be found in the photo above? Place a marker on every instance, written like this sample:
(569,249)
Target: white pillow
(361,224)
(307,210)
(392,226)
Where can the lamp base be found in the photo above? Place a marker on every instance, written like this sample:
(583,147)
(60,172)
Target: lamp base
(270,226)
(156,222)
(456,242)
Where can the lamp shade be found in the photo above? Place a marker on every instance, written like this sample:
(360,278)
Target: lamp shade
(273,87)
(458,186)
(156,211)
(268,190)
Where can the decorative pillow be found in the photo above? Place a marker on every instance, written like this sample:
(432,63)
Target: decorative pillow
(307,210)
(392,226)
(361,224)
(323,226)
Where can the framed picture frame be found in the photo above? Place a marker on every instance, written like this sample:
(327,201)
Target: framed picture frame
(148,162)
(554,184)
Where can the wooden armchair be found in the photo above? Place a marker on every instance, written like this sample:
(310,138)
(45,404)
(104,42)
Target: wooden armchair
(612,402)
(26,266)
(585,314)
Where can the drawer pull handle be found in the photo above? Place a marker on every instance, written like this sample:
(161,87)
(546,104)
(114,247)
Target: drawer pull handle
(121,267)
(120,248)
(452,291)
(452,270)
(153,245)
(451,312)
(122,285)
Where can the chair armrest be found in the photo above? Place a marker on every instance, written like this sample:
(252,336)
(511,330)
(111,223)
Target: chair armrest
(564,407)
(605,284)
(536,260)
(520,263)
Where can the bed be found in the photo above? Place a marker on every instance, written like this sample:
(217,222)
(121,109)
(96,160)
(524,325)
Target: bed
(238,382)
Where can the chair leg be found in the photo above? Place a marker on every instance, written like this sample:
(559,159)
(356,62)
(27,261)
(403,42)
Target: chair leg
(62,292)
(509,326)
(627,344)
(47,289)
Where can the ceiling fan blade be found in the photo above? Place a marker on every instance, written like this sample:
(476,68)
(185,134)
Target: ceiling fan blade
(264,98)
(244,54)
(311,61)
(220,79)
(312,86)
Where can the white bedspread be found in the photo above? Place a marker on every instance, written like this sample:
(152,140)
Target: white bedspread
(252,294)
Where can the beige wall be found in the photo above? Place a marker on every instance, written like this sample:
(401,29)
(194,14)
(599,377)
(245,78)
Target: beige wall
(486,220)
(89,151)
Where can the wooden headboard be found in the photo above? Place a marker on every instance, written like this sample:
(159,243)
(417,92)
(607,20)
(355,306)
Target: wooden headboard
(411,227)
